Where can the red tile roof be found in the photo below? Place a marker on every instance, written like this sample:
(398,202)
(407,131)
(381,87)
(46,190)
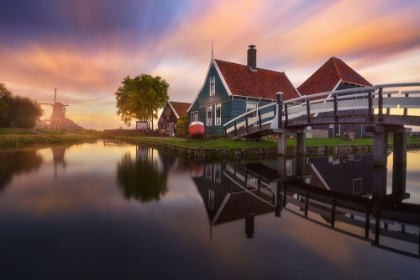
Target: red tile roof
(261,83)
(329,75)
(180,107)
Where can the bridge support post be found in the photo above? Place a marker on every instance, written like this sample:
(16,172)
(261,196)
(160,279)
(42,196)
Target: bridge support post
(380,144)
(378,183)
(282,142)
(300,142)
(400,146)
(399,170)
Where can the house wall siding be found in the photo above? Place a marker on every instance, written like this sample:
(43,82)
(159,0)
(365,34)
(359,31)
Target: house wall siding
(231,106)
(204,99)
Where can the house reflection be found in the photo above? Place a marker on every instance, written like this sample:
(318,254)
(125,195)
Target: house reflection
(17,162)
(344,193)
(229,194)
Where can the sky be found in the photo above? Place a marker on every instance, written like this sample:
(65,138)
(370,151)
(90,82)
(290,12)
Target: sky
(84,48)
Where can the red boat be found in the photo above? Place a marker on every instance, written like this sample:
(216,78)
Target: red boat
(196,130)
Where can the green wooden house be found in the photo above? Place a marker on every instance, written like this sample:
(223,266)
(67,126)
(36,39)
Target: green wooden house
(232,89)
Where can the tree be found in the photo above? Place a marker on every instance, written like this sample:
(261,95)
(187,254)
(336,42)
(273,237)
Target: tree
(141,97)
(140,178)
(22,111)
(5,98)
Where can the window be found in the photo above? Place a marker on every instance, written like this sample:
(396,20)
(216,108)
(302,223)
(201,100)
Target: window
(167,111)
(212,86)
(194,116)
(217,173)
(218,120)
(251,106)
(211,199)
(209,172)
(209,115)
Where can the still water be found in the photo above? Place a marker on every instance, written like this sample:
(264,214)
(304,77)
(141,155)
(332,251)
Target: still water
(125,212)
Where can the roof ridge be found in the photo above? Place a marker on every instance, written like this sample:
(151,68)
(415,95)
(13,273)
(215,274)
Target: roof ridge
(244,65)
(334,59)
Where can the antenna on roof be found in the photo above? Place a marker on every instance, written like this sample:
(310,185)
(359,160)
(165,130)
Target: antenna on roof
(211,49)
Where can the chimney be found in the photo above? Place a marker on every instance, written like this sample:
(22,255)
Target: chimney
(252,57)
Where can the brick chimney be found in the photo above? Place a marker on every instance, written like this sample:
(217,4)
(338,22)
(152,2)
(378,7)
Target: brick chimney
(252,57)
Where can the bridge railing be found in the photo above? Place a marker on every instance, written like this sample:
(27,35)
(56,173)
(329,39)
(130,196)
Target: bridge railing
(374,100)
(254,118)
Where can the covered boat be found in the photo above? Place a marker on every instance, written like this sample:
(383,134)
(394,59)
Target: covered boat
(196,130)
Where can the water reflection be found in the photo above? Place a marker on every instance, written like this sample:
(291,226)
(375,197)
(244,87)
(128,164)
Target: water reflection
(141,177)
(17,162)
(59,158)
(344,193)
(227,198)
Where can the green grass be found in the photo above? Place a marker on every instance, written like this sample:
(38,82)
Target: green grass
(229,143)
(16,131)
(16,138)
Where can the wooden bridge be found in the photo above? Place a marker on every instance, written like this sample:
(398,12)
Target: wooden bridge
(386,108)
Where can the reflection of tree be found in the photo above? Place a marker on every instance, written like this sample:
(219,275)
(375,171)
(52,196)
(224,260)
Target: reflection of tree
(141,179)
(17,162)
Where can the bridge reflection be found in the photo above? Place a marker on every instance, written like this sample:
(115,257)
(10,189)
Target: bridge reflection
(345,193)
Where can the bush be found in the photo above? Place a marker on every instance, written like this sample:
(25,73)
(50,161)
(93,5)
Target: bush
(182,127)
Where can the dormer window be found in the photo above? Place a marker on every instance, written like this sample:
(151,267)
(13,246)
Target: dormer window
(212,86)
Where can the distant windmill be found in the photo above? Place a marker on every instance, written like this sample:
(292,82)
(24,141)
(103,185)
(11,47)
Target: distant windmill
(59,110)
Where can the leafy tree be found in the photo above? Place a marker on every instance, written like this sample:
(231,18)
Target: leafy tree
(5,98)
(141,97)
(182,126)
(23,111)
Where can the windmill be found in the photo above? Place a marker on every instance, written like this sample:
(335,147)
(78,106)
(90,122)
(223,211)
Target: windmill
(59,111)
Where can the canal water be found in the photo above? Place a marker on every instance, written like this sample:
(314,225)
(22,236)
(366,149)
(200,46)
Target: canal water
(96,211)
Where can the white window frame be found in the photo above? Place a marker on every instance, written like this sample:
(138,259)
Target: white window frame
(194,116)
(211,199)
(212,86)
(168,111)
(218,119)
(249,109)
(209,117)
(251,103)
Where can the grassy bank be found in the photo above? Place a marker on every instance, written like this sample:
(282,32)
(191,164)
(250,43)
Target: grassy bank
(16,138)
(228,143)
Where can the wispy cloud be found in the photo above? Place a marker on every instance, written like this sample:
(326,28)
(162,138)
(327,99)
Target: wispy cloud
(85,48)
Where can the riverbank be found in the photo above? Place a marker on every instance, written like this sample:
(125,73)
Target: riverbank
(202,150)
(18,138)
(229,150)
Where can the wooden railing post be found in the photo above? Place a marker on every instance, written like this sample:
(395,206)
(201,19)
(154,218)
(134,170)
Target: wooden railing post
(405,109)
(246,124)
(308,111)
(280,109)
(259,119)
(370,113)
(335,108)
(380,105)
(236,130)
(286,115)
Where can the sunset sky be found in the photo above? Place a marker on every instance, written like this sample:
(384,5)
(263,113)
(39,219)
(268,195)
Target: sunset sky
(84,48)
